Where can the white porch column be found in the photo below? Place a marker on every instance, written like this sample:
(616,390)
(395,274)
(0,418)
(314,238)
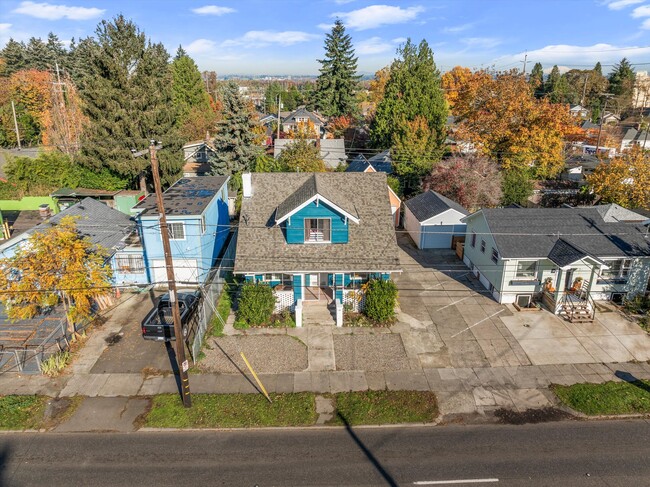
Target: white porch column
(339,313)
(299,314)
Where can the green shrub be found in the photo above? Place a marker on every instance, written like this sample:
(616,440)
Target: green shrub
(256,304)
(381,298)
(54,364)
(639,304)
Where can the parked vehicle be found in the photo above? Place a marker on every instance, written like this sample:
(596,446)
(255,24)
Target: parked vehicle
(159,323)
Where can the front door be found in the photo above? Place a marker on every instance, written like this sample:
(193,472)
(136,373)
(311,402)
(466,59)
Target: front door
(568,280)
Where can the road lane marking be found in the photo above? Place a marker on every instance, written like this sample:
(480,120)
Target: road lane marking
(477,323)
(449,482)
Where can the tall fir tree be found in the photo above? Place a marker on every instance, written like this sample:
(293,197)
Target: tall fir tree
(38,55)
(621,84)
(15,56)
(128,101)
(598,69)
(536,80)
(188,88)
(336,86)
(412,97)
(234,142)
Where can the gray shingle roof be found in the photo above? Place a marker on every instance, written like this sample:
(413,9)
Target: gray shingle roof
(431,203)
(532,232)
(316,184)
(382,162)
(302,112)
(102,225)
(187,196)
(563,253)
(372,246)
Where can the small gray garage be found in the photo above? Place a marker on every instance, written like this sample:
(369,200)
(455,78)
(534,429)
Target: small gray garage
(432,220)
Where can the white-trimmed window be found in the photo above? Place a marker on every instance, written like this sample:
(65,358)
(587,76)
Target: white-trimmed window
(618,269)
(482,245)
(130,264)
(176,230)
(473,239)
(495,255)
(526,269)
(318,230)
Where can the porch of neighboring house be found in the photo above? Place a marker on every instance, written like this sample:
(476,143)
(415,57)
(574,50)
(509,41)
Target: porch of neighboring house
(570,294)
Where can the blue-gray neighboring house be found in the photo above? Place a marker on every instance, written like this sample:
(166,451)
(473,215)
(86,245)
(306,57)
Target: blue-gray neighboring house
(382,162)
(197,216)
(433,220)
(102,226)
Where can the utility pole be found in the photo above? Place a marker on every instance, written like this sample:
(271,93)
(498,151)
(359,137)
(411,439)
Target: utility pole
(13,109)
(525,61)
(181,362)
(584,92)
(602,114)
(278,116)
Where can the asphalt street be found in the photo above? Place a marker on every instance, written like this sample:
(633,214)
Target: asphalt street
(572,453)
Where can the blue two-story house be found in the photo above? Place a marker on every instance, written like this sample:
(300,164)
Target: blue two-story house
(198,221)
(316,236)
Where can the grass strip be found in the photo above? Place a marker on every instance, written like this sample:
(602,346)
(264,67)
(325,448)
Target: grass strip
(384,407)
(22,412)
(232,411)
(607,398)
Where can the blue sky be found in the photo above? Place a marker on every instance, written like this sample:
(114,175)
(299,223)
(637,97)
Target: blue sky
(286,37)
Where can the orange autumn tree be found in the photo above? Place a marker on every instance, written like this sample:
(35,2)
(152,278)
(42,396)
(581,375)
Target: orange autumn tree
(504,121)
(624,181)
(304,130)
(55,266)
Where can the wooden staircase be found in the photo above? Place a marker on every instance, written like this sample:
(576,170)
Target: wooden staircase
(578,308)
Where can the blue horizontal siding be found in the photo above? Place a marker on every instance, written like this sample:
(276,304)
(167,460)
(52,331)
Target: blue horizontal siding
(295,226)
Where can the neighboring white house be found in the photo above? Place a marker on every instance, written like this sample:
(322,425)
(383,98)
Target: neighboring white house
(568,257)
(197,155)
(579,111)
(432,220)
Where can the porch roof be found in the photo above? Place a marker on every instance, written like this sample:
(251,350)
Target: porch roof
(564,254)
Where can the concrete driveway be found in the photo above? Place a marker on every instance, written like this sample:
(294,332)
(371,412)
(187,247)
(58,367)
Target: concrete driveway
(447,319)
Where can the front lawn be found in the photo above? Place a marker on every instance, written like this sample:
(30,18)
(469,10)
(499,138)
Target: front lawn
(232,411)
(607,398)
(385,407)
(299,409)
(22,412)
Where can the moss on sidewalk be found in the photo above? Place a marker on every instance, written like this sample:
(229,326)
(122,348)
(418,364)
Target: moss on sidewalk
(607,398)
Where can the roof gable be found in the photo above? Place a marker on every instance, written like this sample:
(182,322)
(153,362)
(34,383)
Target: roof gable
(315,188)
(431,203)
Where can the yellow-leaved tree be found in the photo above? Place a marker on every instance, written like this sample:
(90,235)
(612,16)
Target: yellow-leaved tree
(624,181)
(55,266)
(504,121)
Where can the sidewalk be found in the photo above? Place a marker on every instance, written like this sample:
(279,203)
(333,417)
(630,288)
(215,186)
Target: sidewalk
(459,390)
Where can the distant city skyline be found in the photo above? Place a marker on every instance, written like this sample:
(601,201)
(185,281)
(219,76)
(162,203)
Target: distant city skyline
(255,37)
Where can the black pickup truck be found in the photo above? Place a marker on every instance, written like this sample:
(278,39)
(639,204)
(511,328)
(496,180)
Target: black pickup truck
(159,322)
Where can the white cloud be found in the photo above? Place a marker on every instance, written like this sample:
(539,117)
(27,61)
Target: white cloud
(377,15)
(399,40)
(621,4)
(374,45)
(342,2)
(262,38)
(481,42)
(200,46)
(325,26)
(4,27)
(457,28)
(569,55)
(213,10)
(56,12)
(642,11)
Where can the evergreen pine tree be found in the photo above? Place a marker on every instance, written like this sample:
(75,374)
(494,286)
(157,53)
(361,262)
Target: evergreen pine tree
(337,83)
(188,87)
(536,80)
(38,56)
(57,52)
(15,56)
(621,79)
(598,69)
(412,96)
(128,101)
(234,142)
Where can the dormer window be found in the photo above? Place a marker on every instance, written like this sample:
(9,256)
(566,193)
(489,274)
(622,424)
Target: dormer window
(318,230)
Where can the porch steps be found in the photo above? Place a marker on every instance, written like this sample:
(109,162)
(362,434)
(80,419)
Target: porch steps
(317,313)
(577,313)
